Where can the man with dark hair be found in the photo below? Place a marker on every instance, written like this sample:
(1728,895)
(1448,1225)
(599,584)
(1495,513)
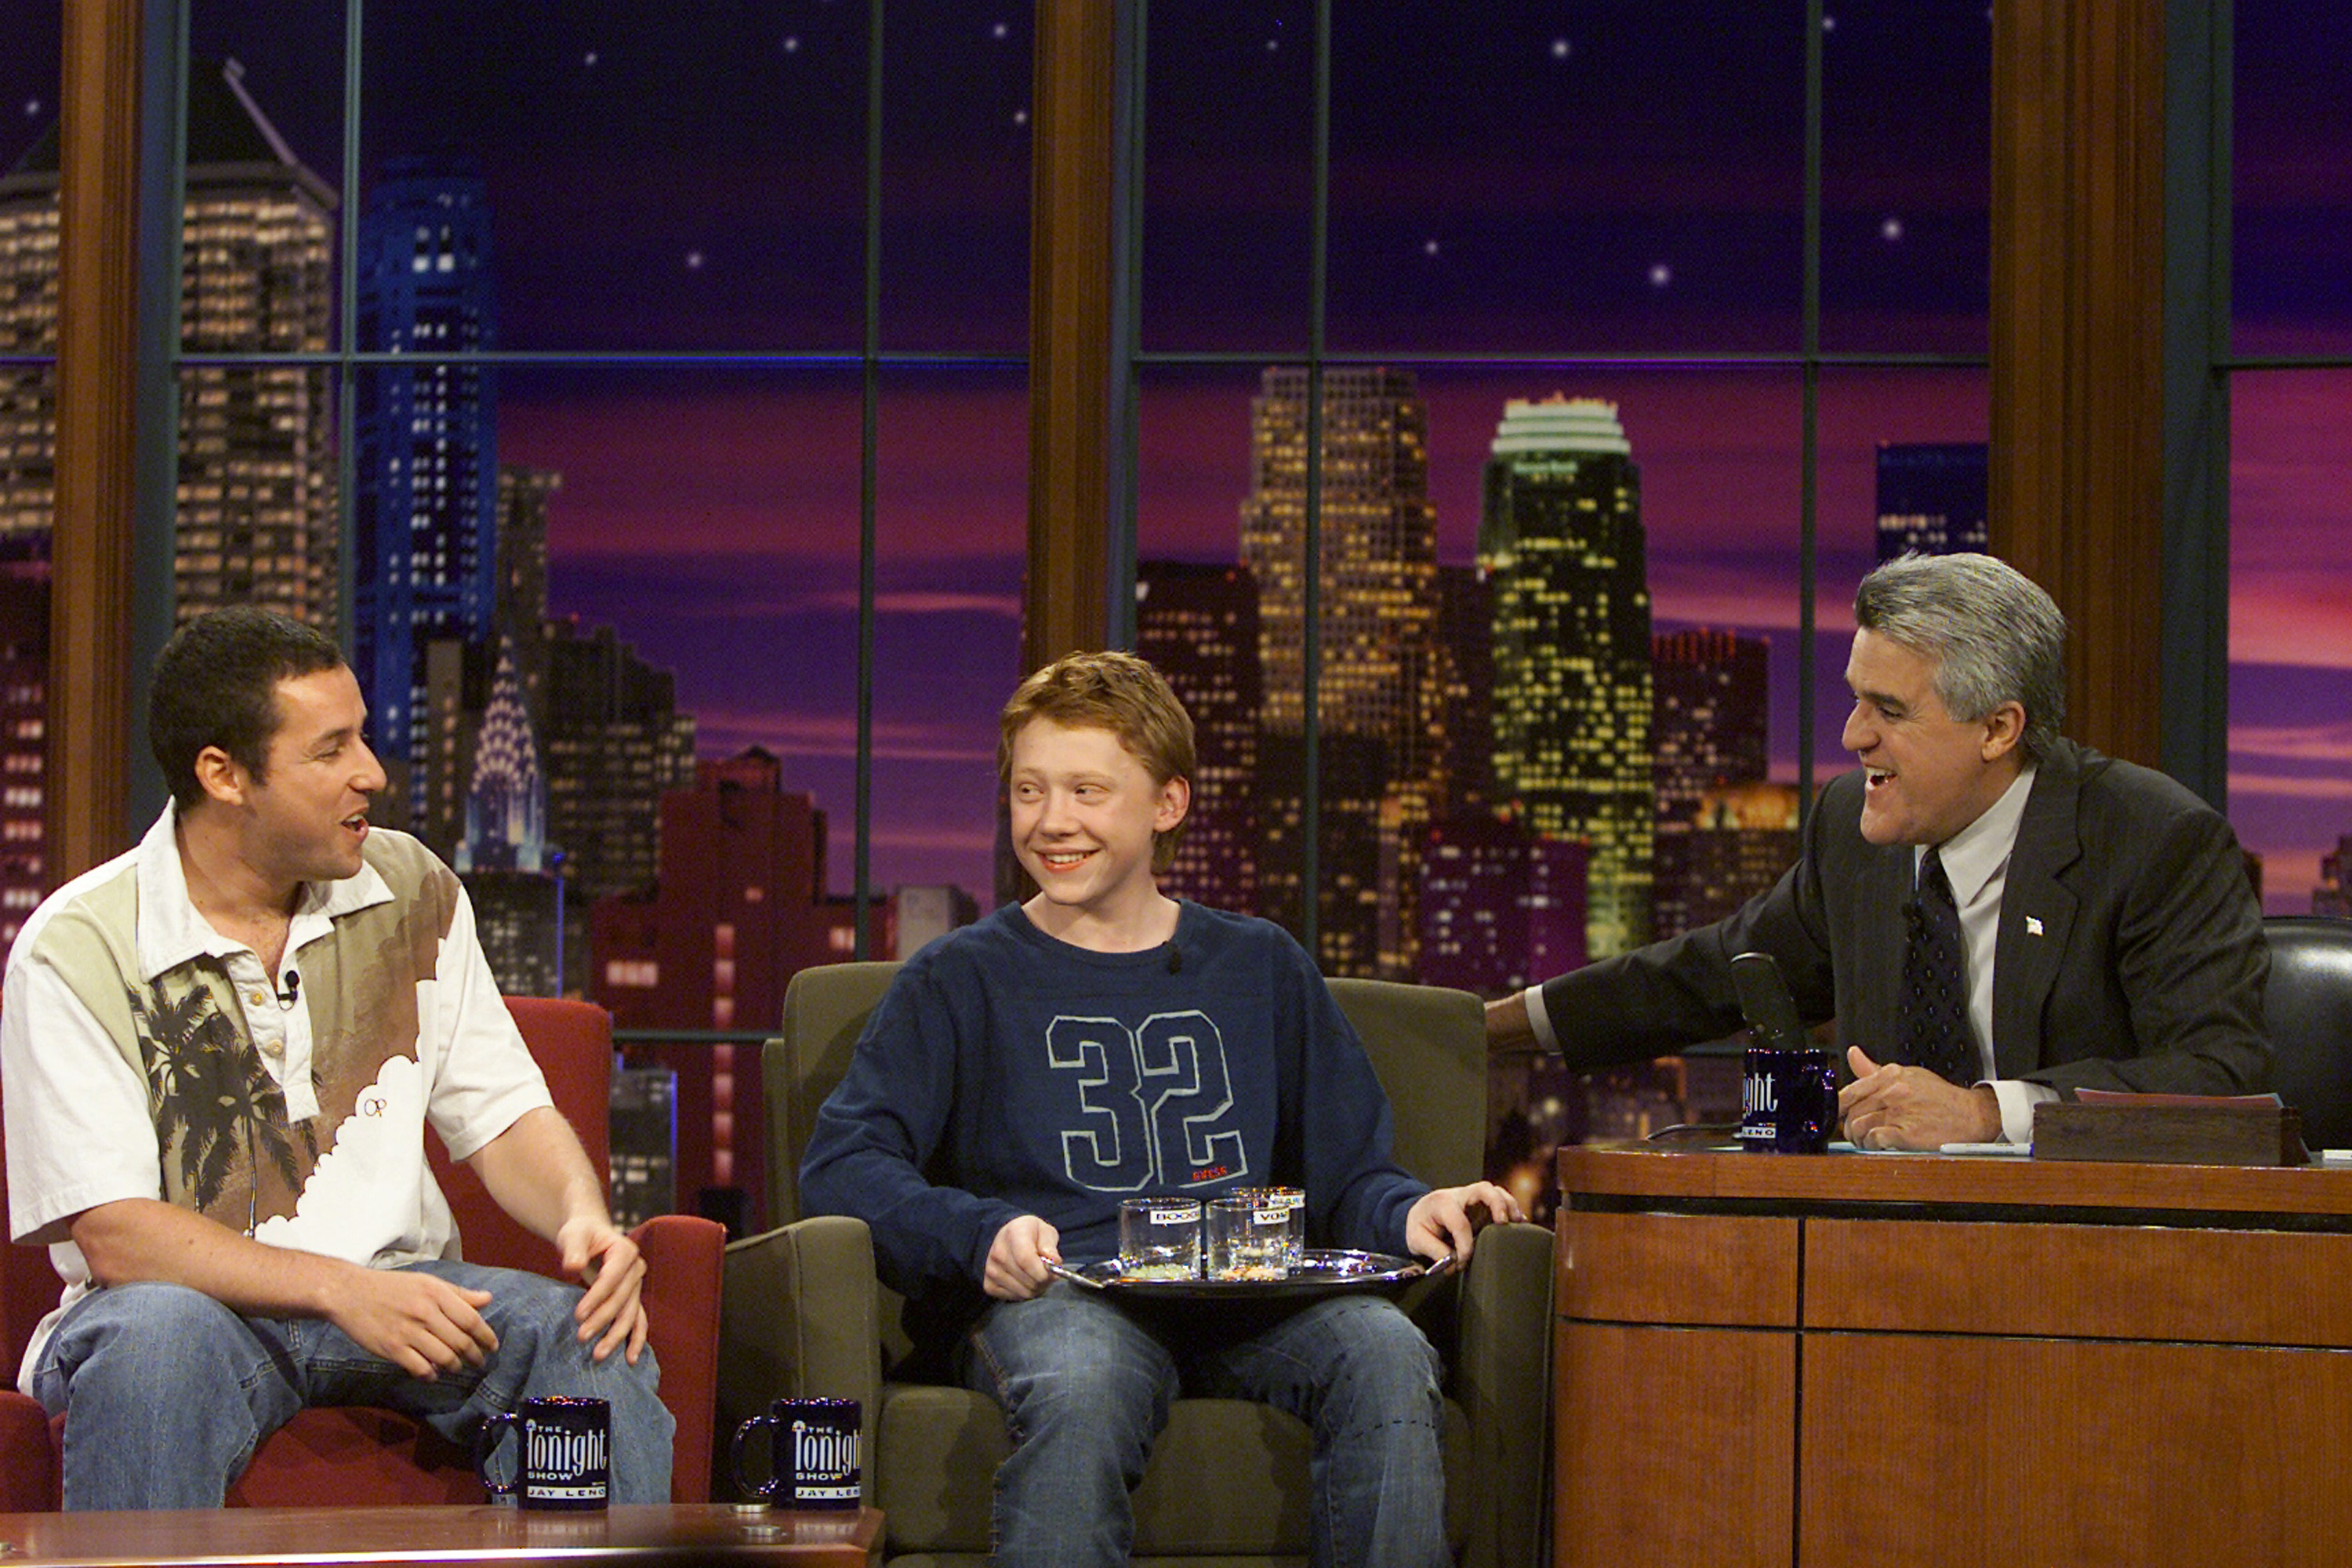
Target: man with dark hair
(221,1051)
(1994,915)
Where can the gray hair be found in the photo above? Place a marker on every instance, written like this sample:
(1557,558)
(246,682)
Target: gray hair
(1994,636)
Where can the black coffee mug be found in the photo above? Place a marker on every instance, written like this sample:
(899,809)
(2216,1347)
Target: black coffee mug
(1789,1100)
(563,1449)
(812,1454)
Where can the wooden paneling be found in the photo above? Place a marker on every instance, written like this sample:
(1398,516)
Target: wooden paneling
(1070,349)
(1967,1451)
(1639,1170)
(98,313)
(1675,1445)
(2076,482)
(1735,1270)
(2109,1281)
(639,1535)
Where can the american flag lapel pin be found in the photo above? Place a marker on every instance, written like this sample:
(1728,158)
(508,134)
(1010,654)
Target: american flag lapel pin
(2033,925)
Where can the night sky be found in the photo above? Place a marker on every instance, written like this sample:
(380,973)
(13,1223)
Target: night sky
(1572,179)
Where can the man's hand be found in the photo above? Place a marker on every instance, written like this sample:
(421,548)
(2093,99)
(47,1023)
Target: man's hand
(1018,1259)
(1449,1219)
(1508,1027)
(613,1312)
(422,1324)
(1899,1107)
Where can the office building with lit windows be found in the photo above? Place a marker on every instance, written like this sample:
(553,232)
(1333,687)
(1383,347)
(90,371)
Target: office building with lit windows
(1932,497)
(1560,540)
(24,743)
(1198,624)
(257,498)
(1378,716)
(1710,706)
(425,482)
(612,745)
(738,908)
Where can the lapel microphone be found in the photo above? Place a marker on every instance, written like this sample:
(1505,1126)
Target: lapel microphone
(1175,959)
(293,991)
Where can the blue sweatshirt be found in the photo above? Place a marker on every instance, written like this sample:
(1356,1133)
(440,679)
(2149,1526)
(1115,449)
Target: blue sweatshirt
(1007,1072)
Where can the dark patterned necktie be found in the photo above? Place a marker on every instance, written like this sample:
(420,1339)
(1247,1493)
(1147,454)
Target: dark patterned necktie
(1935,981)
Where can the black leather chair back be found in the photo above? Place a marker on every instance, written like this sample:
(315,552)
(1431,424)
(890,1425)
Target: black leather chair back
(2307,1007)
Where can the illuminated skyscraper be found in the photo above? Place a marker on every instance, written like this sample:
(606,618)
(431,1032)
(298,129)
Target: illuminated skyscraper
(1560,540)
(1710,708)
(613,742)
(1381,692)
(257,513)
(505,805)
(424,511)
(1198,627)
(740,907)
(1931,497)
(23,749)
(1500,908)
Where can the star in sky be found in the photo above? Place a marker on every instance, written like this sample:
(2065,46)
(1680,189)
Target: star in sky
(1660,275)
(1890,230)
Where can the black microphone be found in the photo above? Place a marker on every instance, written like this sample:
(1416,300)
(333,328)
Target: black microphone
(1175,959)
(293,991)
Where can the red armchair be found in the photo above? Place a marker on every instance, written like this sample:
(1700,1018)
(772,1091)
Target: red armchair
(361,1456)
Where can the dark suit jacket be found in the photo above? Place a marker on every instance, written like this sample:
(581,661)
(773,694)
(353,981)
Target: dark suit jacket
(2129,954)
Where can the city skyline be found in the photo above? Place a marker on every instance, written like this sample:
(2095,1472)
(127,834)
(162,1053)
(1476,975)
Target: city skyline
(682,490)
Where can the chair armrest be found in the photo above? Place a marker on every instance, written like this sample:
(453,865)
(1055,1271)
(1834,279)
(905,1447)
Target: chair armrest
(798,1320)
(28,1470)
(1502,1379)
(683,1256)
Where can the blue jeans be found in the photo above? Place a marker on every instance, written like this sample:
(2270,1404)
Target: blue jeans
(1085,1389)
(168,1393)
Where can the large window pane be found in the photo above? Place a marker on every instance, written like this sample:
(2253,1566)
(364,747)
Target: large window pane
(665,177)
(955,166)
(1594,177)
(2292,219)
(1227,187)
(952,533)
(28,254)
(1906,177)
(1902,467)
(2291,634)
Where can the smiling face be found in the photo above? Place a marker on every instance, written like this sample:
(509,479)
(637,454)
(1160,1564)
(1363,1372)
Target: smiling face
(304,818)
(1930,775)
(1083,813)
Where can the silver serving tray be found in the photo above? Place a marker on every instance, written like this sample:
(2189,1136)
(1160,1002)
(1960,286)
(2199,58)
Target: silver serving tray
(1321,1271)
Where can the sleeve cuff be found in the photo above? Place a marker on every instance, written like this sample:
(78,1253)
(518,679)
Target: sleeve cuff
(2018,1099)
(1538,1020)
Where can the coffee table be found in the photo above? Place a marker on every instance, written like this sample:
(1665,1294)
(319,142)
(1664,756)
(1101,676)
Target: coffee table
(640,1535)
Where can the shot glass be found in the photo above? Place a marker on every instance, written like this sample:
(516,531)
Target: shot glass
(1292,1198)
(1253,1236)
(1159,1238)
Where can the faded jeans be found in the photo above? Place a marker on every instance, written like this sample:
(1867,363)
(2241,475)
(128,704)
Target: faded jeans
(168,1393)
(1085,1389)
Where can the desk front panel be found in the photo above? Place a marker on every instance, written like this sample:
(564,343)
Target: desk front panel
(1933,1450)
(1733,1270)
(2104,1281)
(1675,1445)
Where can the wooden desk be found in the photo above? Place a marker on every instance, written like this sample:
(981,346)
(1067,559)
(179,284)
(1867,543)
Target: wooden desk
(1847,1359)
(639,1535)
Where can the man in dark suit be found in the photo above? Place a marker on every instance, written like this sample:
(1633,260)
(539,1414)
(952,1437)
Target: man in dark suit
(2101,931)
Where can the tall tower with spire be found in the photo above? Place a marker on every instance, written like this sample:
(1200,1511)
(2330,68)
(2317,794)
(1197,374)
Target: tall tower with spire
(1560,538)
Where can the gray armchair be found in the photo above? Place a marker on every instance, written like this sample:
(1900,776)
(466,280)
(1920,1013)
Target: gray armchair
(802,1314)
